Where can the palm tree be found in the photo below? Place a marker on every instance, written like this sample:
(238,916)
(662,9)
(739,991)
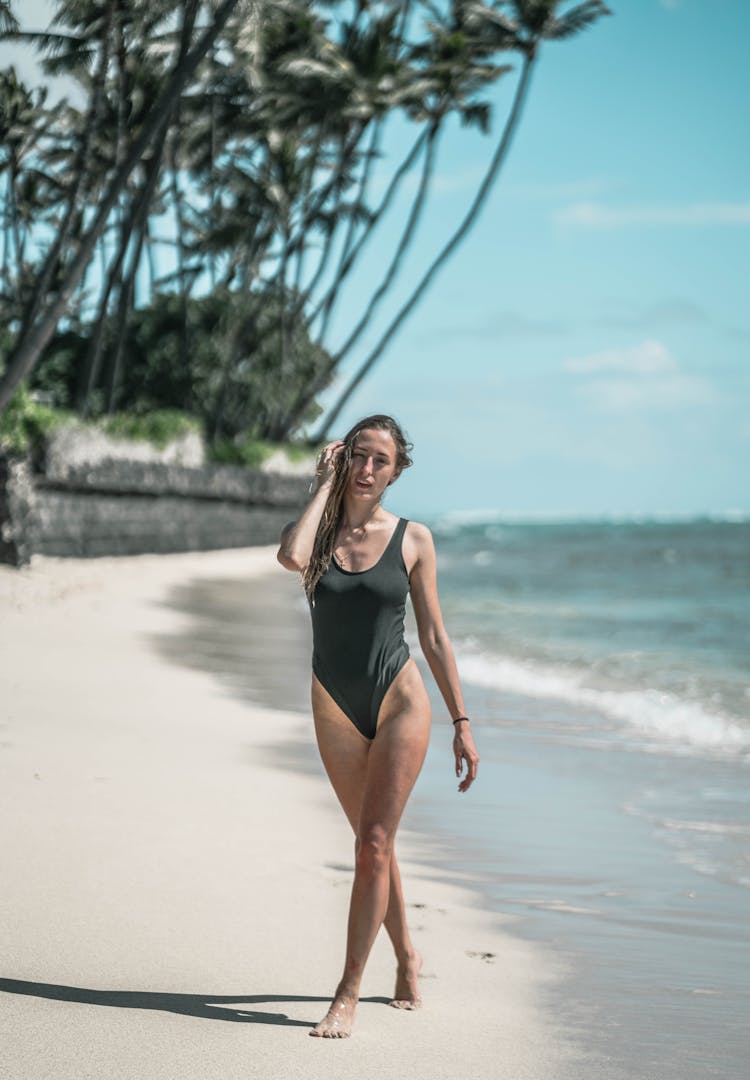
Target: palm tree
(535,21)
(8,21)
(31,343)
(257,128)
(22,124)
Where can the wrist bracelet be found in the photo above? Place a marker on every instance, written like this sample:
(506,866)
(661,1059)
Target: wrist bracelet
(460,718)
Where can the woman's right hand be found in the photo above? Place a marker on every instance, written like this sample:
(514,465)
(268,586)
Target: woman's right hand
(325,467)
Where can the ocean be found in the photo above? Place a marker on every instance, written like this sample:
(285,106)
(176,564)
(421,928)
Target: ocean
(606,667)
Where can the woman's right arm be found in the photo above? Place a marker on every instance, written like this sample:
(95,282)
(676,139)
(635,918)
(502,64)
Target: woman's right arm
(298,537)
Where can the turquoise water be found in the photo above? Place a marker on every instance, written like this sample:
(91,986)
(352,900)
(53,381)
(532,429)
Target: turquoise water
(647,623)
(608,669)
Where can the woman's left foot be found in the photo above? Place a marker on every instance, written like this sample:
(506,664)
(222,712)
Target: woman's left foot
(406,995)
(337,1022)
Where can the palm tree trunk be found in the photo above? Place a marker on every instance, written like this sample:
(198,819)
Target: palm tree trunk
(385,202)
(306,396)
(316,204)
(353,221)
(14,225)
(302,249)
(406,236)
(5,271)
(92,362)
(150,256)
(444,254)
(80,174)
(139,226)
(282,294)
(177,200)
(124,307)
(31,344)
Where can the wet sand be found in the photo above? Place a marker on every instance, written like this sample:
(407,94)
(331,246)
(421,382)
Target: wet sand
(176,870)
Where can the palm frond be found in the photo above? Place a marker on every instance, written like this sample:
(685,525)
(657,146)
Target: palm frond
(572,22)
(8,21)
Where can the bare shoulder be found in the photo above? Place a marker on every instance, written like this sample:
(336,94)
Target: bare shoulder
(418,544)
(418,533)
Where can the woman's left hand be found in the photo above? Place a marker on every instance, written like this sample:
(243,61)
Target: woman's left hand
(465,751)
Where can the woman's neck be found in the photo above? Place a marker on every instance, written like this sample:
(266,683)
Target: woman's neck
(357,517)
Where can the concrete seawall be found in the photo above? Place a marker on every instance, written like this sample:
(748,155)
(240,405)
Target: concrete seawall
(120,507)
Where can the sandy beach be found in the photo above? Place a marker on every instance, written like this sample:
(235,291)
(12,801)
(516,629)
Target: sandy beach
(175,892)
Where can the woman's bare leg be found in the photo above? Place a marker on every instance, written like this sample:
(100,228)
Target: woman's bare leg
(406,995)
(372,781)
(344,753)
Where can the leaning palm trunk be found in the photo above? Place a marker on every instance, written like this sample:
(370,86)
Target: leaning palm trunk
(359,203)
(444,254)
(125,303)
(130,226)
(80,172)
(12,231)
(127,287)
(405,166)
(93,357)
(316,204)
(31,344)
(406,237)
(178,200)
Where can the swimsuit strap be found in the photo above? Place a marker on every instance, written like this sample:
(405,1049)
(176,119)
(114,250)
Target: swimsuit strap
(396,540)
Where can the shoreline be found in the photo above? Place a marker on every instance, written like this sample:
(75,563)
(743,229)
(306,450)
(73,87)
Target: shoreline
(168,863)
(550,840)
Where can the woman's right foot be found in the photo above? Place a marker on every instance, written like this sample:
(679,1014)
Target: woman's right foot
(406,995)
(338,1021)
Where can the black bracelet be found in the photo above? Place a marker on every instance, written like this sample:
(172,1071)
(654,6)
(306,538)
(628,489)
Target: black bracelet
(460,718)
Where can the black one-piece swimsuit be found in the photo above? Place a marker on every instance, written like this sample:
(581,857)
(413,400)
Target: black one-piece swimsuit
(358,632)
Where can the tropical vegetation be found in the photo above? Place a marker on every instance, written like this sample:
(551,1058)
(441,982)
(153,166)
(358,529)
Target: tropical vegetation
(179,231)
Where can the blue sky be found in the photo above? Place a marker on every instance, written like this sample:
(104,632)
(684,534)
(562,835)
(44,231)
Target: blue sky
(587,350)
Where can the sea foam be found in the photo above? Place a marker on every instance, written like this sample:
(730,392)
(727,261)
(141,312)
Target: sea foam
(655,714)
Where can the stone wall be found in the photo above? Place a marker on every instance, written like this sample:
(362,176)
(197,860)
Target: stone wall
(118,507)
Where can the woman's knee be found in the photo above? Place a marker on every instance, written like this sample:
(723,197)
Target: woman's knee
(373,849)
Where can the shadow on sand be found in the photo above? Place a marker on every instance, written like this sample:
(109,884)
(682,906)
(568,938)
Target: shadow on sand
(205,1006)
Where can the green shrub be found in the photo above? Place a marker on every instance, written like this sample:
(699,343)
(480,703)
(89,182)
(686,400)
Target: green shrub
(253,452)
(249,452)
(159,427)
(25,424)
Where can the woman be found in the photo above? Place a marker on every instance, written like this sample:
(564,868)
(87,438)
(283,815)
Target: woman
(370,706)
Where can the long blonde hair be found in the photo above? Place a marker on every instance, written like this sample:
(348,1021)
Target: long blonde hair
(325,537)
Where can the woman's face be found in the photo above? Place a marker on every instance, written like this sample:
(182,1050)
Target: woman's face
(373,464)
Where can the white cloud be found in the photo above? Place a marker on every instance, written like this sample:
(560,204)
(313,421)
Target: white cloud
(591,215)
(648,358)
(637,378)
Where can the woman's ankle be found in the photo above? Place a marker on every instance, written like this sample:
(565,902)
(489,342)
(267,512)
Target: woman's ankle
(348,989)
(408,956)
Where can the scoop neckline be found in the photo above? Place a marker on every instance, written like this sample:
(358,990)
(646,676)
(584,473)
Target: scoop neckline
(367,569)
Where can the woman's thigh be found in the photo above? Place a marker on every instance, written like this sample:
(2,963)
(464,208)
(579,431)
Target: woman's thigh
(343,751)
(396,753)
(396,758)
(387,765)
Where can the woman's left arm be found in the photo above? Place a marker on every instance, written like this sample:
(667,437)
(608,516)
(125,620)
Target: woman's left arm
(437,649)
